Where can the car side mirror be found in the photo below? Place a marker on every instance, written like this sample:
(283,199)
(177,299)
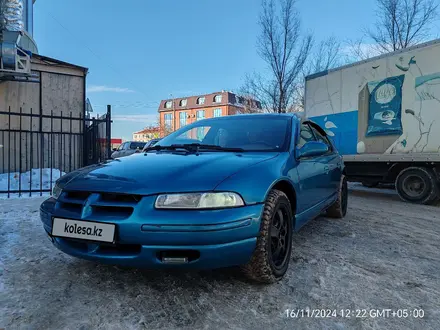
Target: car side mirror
(312,149)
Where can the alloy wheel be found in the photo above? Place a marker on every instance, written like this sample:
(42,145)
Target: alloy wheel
(280,237)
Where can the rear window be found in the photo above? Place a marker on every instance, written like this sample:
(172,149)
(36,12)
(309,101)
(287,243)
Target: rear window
(137,145)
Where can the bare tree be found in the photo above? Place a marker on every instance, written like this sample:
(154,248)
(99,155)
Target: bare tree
(164,129)
(327,55)
(285,52)
(359,50)
(262,89)
(402,23)
(248,103)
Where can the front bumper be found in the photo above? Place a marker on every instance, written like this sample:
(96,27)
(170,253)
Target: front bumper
(207,239)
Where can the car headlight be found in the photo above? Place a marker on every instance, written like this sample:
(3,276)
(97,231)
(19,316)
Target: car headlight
(56,191)
(199,200)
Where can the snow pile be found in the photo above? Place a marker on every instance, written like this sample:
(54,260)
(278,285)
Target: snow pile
(29,182)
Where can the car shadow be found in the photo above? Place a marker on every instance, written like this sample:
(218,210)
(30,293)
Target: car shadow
(159,279)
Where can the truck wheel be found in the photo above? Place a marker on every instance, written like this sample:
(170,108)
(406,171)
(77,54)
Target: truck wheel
(339,207)
(271,257)
(417,185)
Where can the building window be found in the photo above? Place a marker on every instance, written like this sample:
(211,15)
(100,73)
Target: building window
(217,112)
(168,104)
(168,120)
(182,119)
(183,103)
(200,130)
(217,98)
(237,99)
(200,114)
(201,100)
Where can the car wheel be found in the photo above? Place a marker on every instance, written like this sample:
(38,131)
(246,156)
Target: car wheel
(417,185)
(271,257)
(339,207)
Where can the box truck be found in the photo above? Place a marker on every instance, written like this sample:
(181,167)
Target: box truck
(383,114)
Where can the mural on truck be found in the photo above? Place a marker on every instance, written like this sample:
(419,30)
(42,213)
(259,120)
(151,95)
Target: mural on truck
(385,102)
(387,105)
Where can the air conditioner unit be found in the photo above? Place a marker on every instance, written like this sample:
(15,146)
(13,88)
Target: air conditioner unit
(14,60)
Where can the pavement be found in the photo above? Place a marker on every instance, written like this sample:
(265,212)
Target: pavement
(379,268)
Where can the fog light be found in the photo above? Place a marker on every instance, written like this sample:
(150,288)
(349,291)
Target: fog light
(175,260)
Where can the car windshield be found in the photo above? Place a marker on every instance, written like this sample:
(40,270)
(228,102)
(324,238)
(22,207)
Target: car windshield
(250,133)
(137,145)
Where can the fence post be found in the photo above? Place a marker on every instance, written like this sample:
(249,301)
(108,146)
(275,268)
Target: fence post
(109,130)
(84,141)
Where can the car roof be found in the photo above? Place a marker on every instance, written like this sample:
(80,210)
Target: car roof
(258,115)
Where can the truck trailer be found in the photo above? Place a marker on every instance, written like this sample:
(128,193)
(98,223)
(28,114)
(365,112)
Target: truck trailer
(383,115)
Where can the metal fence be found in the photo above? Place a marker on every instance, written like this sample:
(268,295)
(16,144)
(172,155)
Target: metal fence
(37,149)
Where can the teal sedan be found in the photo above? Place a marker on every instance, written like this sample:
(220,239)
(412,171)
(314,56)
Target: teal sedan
(220,192)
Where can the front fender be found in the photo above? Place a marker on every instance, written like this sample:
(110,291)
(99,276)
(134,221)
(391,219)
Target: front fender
(255,182)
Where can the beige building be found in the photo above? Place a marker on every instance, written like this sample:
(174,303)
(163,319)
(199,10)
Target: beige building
(146,134)
(42,117)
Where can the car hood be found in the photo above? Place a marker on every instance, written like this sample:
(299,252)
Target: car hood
(161,172)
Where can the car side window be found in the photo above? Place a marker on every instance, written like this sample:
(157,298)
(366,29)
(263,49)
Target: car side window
(121,147)
(137,145)
(322,138)
(305,135)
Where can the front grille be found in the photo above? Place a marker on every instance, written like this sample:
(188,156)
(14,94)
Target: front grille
(120,198)
(120,249)
(103,206)
(104,248)
(79,196)
(111,212)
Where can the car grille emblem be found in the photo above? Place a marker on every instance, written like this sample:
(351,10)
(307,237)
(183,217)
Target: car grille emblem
(87,206)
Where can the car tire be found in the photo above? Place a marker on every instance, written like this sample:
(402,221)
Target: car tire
(276,229)
(339,207)
(417,185)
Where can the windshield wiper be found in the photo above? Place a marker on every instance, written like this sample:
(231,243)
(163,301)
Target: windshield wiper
(194,147)
(171,147)
(216,147)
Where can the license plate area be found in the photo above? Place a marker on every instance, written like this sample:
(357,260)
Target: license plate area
(92,231)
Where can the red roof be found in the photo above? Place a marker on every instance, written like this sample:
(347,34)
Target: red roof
(148,130)
(113,141)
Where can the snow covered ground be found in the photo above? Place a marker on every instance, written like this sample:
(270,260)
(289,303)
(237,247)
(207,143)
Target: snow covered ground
(31,180)
(383,255)
(380,190)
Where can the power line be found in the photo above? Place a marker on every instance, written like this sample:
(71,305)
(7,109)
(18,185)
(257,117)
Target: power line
(146,105)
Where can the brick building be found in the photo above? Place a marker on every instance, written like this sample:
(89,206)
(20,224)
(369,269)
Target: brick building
(146,134)
(178,112)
